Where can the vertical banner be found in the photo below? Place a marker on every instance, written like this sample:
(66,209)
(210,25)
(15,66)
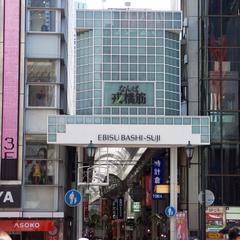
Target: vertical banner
(148,196)
(181,225)
(11,56)
(157,176)
(85,211)
(120,208)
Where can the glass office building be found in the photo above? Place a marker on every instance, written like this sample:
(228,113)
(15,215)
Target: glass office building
(128,62)
(220,98)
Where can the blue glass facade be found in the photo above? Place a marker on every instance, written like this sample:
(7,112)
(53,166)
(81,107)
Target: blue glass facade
(133,53)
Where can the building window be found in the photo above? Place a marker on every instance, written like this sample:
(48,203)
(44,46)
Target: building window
(43,3)
(42,77)
(41,96)
(41,71)
(42,20)
(40,164)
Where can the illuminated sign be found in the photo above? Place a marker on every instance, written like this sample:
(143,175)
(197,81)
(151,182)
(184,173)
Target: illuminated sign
(11,52)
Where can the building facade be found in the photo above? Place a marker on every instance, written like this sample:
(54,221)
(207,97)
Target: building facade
(128,100)
(220,100)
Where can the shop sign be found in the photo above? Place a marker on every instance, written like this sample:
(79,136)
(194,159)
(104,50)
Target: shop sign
(215,220)
(27,225)
(157,176)
(85,211)
(215,235)
(136,207)
(10,88)
(148,194)
(114,210)
(120,208)
(10,196)
(181,225)
(128,94)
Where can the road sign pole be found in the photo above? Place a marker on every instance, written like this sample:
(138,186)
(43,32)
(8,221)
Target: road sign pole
(80,207)
(173,189)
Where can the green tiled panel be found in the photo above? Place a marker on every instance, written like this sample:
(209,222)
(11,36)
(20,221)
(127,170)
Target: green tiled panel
(177,121)
(187,121)
(204,138)
(52,138)
(168,121)
(196,121)
(195,129)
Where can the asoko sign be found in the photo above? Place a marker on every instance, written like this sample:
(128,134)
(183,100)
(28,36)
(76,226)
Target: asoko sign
(27,225)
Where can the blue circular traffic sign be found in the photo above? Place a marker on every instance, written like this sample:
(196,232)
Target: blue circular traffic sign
(72,198)
(170,211)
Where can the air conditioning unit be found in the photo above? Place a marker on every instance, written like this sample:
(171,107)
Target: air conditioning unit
(185,59)
(185,22)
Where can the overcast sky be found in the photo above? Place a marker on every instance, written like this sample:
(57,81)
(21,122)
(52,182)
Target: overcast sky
(149,4)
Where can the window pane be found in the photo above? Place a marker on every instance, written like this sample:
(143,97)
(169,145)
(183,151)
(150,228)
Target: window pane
(43,21)
(40,150)
(231,197)
(231,164)
(214,161)
(230,126)
(35,198)
(40,172)
(41,96)
(44,71)
(42,3)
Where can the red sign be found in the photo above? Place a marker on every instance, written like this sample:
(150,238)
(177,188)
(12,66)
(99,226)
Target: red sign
(148,184)
(181,225)
(215,216)
(27,225)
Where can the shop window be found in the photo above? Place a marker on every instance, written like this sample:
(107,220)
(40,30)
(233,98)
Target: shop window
(40,164)
(41,96)
(41,71)
(40,172)
(42,20)
(40,150)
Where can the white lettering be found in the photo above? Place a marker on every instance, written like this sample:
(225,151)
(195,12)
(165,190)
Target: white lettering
(1,193)
(8,197)
(27,225)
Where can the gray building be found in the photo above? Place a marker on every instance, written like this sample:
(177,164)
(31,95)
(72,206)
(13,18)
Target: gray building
(35,34)
(128,62)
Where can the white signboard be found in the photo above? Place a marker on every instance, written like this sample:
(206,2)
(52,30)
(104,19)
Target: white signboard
(135,135)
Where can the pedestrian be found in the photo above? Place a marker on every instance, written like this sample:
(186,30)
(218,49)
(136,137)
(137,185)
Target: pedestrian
(234,233)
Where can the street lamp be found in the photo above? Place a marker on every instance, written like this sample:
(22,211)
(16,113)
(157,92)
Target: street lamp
(189,152)
(91,150)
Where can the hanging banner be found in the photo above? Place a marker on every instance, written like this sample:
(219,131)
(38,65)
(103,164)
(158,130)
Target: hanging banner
(157,176)
(148,194)
(181,225)
(120,208)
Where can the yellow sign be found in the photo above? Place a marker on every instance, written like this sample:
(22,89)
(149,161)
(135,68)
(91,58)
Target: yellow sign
(214,235)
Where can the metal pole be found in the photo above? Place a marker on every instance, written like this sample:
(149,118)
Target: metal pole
(79,188)
(173,189)
(203,189)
